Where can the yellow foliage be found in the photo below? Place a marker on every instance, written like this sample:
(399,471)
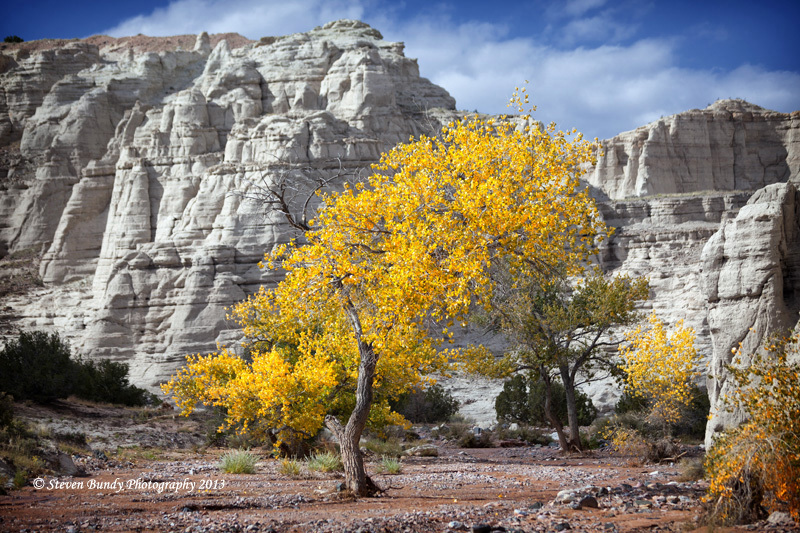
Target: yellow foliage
(661,367)
(759,462)
(388,264)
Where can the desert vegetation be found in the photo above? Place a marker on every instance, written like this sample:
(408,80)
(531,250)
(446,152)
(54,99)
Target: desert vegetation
(365,311)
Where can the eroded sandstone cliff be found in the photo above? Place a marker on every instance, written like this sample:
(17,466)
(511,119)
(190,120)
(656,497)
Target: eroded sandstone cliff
(137,172)
(132,168)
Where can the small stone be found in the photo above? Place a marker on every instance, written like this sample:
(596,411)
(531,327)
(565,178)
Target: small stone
(426,450)
(566,496)
(643,503)
(455,524)
(562,526)
(779,518)
(481,528)
(589,502)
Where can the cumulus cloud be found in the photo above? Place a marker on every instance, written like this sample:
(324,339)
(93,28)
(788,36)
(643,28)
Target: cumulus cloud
(600,89)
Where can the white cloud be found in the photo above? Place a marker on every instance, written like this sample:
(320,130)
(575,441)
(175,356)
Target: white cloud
(251,18)
(601,90)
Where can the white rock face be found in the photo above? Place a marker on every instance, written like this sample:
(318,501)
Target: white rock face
(752,283)
(730,146)
(147,164)
(132,165)
(672,186)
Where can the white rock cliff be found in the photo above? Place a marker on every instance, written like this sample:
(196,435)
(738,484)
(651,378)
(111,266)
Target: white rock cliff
(130,167)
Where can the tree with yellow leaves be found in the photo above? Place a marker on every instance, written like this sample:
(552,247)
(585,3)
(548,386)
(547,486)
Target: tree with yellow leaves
(756,467)
(368,302)
(661,367)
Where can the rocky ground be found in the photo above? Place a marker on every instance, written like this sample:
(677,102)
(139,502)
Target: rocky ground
(169,481)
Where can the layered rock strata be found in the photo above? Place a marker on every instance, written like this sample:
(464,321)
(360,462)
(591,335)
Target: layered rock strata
(135,169)
(705,205)
(150,169)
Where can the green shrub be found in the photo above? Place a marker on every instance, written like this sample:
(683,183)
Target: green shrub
(38,366)
(391,465)
(6,410)
(13,39)
(428,406)
(471,440)
(389,447)
(238,462)
(522,401)
(324,462)
(107,381)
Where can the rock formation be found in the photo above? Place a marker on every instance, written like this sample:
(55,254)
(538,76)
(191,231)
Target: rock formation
(705,204)
(133,168)
(148,167)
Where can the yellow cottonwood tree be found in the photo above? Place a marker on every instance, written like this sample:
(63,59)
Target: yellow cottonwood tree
(756,466)
(366,304)
(662,368)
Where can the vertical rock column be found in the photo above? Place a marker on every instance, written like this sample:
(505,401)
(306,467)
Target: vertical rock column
(751,269)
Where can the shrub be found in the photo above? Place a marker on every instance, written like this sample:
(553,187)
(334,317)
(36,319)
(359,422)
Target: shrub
(238,462)
(391,465)
(691,469)
(757,465)
(389,447)
(38,366)
(522,401)
(433,404)
(471,440)
(290,467)
(692,421)
(324,462)
(13,39)
(107,381)
(6,410)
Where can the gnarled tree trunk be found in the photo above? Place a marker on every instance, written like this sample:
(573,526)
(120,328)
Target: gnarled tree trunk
(349,436)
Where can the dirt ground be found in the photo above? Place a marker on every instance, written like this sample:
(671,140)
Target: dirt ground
(171,483)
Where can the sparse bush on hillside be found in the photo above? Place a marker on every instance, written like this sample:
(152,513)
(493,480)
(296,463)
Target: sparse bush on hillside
(6,410)
(13,39)
(38,366)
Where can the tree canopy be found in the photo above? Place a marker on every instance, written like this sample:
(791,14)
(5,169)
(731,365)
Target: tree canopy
(561,329)
(367,304)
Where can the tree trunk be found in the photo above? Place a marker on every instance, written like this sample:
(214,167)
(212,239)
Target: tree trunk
(572,409)
(349,436)
(548,411)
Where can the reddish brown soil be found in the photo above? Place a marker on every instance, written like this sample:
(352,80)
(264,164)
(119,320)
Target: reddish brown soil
(508,489)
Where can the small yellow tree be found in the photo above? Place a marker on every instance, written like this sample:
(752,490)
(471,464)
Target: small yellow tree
(387,266)
(758,463)
(661,368)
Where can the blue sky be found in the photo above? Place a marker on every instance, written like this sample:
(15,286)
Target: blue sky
(601,66)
